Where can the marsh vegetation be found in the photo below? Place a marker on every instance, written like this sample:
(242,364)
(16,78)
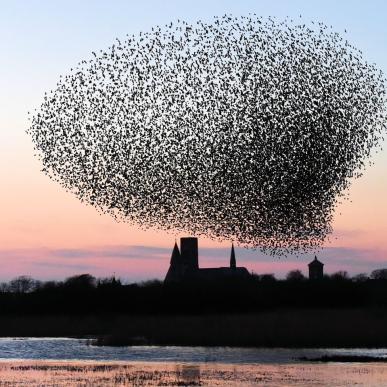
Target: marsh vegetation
(61,374)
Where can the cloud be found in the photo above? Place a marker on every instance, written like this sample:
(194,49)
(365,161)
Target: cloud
(120,251)
(347,233)
(152,261)
(129,252)
(66,265)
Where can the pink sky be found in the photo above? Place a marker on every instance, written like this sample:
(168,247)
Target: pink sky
(47,233)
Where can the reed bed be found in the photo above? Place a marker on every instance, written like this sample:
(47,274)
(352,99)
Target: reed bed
(91,373)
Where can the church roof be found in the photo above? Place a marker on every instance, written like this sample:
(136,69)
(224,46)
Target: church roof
(315,262)
(175,254)
(218,273)
(180,270)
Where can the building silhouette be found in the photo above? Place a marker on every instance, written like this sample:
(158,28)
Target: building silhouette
(316,269)
(184,265)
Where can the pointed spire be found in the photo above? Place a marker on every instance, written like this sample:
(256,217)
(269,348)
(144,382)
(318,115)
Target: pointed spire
(232,257)
(175,254)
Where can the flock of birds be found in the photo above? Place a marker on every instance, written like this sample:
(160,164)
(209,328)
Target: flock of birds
(246,129)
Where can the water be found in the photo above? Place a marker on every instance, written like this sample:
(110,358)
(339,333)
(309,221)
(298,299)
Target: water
(66,362)
(79,349)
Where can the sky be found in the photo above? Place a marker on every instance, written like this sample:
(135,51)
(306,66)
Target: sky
(47,233)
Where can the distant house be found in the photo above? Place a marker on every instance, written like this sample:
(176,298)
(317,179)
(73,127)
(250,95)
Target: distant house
(184,265)
(316,269)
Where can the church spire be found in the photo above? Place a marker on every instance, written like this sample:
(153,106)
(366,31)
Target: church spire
(175,257)
(232,257)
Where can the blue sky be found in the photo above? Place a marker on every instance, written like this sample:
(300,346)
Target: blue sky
(42,39)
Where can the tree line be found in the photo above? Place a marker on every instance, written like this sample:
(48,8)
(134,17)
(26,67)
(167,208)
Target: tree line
(82,282)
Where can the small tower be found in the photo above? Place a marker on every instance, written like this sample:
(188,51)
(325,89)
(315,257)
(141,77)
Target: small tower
(232,257)
(316,269)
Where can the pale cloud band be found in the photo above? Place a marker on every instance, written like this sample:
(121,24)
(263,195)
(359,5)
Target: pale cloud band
(143,262)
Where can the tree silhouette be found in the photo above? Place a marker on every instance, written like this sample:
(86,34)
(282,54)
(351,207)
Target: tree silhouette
(295,275)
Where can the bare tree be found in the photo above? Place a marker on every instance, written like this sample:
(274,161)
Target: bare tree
(379,274)
(269,277)
(295,275)
(340,275)
(82,281)
(22,284)
(361,277)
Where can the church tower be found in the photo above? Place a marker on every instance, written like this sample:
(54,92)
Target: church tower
(316,269)
(184,266)
(189,253)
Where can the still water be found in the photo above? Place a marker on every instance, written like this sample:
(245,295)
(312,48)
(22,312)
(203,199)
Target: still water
(80,349)
(66,362)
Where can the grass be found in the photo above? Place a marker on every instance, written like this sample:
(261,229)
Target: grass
(90,373)
(77,373)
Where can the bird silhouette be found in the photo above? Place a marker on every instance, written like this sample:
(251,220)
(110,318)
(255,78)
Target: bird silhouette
(243,128)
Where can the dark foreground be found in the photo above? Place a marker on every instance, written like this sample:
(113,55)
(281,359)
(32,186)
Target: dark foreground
(273,328)
(260,312)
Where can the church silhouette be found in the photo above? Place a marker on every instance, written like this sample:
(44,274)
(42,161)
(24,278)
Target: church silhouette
(184,265)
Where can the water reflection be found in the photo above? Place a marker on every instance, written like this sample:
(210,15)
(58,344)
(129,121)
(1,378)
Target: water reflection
(70,349)
(188,374)
(51,362)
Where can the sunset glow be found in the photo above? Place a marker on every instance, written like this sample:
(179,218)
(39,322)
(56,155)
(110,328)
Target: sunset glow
(47,233)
